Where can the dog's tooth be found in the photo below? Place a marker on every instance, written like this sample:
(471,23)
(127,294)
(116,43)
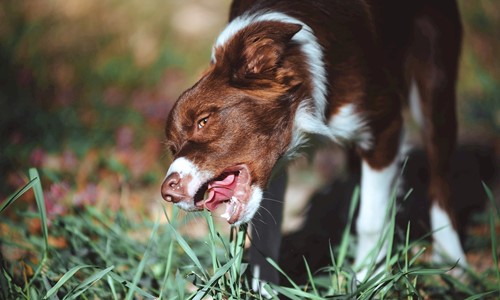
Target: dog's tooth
(234,199)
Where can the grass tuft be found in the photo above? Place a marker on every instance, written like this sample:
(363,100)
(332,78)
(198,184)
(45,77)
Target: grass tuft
(101,259)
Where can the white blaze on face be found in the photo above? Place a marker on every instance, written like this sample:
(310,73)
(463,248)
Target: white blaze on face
(185,168)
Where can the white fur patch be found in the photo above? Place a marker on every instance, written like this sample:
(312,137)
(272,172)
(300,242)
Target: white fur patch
(349,125)
(376,190)
(415,104)
(307,121)
(185,167)
(251,207)
(446,243)
(346,125)
(258,285)
(256,278)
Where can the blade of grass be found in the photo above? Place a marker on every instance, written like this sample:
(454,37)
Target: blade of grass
(406,248)
(286,292)
(292,292)
(180,285)
(275,265)
(47,286)
(310,277)
(390,232)
(237,252)
(167,268)
(269,291)
(494,248)
(492,226)
(213,248)
(347,230)
(112,287)
(480,296)
(417,255)
(218,274)
(40,202)
(211,234)
(427,272)
(334,268)
(12,198)
(189,251)
(368,285)
(144,259)
(87,283)
(490,196)
(67,276)
(457,284)
(129,285)
(411,289)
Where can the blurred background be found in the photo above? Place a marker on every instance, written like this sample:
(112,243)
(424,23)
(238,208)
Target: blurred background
(85,88)
(86,85)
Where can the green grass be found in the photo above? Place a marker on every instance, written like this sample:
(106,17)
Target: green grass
(101,259)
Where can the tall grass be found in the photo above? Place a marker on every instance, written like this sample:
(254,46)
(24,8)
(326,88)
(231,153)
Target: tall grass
(101,260)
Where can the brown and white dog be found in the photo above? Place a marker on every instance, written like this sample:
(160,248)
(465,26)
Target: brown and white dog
(284,71)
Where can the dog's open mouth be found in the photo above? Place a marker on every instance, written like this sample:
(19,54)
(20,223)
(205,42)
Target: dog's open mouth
(231,188)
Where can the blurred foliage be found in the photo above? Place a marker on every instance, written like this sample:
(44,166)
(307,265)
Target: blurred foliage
(479,84)
(83,76)
(79,76)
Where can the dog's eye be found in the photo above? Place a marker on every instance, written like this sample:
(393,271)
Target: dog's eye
(202,122)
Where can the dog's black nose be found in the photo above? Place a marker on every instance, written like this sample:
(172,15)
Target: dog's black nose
(172,189)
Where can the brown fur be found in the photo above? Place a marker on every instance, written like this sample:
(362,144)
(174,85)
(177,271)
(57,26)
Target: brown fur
(258,79)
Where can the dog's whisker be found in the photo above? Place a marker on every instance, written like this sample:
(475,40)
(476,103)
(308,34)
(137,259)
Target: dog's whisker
(273,200)
(254,230)
(270,214)
(261,219)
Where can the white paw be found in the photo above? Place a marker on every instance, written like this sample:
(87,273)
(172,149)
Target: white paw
(259,286)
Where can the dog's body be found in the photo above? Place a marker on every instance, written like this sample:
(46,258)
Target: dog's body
(283,71)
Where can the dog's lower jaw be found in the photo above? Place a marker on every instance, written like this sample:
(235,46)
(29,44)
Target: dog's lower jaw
(242,213)
(249,209)
(187,206)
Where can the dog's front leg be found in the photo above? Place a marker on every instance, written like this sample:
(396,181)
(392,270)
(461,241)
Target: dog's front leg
(266,234)
(379,170)
(376,187)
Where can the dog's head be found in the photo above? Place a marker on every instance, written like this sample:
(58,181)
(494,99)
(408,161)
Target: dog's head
(228,131)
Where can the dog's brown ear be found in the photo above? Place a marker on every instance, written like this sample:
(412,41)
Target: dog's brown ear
(264,45)
(255,51)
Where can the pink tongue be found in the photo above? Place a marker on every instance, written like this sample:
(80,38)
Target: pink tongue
(220,191)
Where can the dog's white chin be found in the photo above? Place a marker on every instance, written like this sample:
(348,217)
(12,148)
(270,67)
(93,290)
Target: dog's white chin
(251,207)
(187,206)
